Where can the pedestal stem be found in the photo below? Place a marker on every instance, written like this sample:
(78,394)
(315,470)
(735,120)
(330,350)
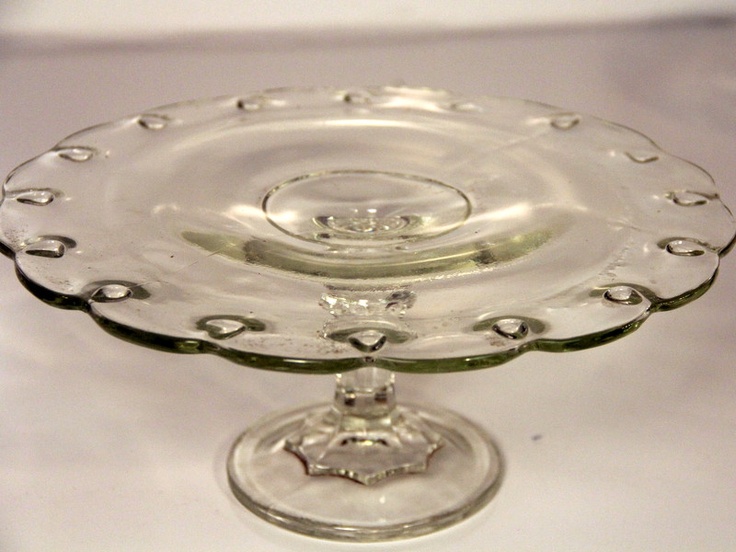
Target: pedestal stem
(365,394)
(364,436)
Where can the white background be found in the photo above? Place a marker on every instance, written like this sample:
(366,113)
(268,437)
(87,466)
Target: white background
(108,446)
(115,19)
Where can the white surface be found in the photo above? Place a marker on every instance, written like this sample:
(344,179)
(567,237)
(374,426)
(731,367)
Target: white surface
(108,446)
(109,19)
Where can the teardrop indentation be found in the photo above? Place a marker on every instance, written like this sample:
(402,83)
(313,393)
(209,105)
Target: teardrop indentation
(77,154)
(367,341)
(623,295)
(112,293)
(688,199)
(465,107)
(151,121)
(253,103)
(511,328)
(357,97)
(49,248)
(35,197)
(223,328)
(227,326)
(642,156)
(565,121)
(685,248)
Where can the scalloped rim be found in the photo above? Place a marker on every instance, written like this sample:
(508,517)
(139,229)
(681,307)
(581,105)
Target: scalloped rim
(188,345)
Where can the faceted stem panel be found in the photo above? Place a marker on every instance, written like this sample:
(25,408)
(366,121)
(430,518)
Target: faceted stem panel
(364,436)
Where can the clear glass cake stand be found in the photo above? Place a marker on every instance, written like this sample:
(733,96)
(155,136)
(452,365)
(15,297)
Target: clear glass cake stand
(363,232)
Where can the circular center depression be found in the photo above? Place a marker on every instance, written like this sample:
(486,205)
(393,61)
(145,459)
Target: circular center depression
(355,207)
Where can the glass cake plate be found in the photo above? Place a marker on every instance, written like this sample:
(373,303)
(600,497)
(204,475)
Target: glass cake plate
(363,232)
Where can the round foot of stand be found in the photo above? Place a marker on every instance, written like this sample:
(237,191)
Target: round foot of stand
(463,475)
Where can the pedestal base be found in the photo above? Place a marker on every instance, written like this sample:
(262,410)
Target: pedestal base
(462,476)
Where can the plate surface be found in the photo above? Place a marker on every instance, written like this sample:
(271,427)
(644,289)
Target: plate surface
(306,230)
